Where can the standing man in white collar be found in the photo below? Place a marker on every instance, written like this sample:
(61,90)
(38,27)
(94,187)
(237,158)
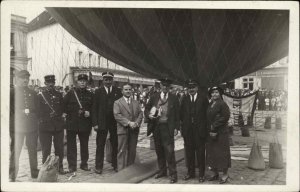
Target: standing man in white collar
(129,116)
(165,123)
(104,121)
(194,130)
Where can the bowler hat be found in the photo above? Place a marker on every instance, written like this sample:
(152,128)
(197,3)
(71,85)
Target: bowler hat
(82,77)
(107,74)
(49,78)
(23,73)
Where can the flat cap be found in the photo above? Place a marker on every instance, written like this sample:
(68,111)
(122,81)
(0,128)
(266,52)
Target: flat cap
(49,78)
(23,73)
(82,77)
(107,74)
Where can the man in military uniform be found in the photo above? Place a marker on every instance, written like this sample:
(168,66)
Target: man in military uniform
(77,109)
(163,113)
(104,121)
(51,121)
(23,123)
(194,131)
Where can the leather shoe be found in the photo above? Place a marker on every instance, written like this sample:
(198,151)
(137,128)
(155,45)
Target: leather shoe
(159,175)
(98,171)
(188,176)
(201,179)
(213,178)
(173,180)
(223,180)
(62,171)
(85,168)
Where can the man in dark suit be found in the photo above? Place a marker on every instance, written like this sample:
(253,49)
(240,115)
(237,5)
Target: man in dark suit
(163,113)
(23,123)
(51,121)
(194,131)
(103,120)
(77,109)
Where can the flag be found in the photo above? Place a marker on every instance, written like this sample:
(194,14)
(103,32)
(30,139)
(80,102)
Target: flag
(243,105)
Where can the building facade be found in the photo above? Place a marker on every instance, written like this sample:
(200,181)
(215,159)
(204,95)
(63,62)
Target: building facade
(18,45)
(272,77)
(52,50)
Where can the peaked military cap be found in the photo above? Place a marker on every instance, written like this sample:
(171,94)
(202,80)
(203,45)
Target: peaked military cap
(165,81)
(107,74)
(191,83)
(82,77)
(23,73)
(49,78)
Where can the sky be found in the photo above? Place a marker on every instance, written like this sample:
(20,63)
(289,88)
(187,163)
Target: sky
(30,12)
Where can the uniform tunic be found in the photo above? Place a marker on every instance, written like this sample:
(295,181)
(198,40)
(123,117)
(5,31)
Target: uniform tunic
(23,125)
(218,150)
(51,123)
(78,124)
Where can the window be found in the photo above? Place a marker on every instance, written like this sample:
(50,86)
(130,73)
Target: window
(31,42)
(248,83)
(90,59)
(79,58)
(99,59)
(12,44)
(30,64)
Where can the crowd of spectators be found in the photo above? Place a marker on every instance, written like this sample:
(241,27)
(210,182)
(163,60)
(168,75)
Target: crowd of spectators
(267,100)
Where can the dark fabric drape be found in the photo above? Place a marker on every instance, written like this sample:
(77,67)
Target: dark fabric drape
(211,46)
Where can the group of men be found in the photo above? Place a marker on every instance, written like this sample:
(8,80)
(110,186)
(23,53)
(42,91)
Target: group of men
(112,111)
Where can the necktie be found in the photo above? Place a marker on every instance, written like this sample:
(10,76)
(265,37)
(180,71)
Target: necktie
(164,95)
(193,98)
(108,90)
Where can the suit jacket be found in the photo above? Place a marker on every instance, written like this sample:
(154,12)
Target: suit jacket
(71,106)
(199,130)
(21,99)
(173,112)
(123,115)
(100,107)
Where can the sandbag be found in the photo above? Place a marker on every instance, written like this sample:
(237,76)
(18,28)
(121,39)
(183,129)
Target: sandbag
(108,150)
(256,159)
(49,170)
(275,156)
(152,145)
(278,123)
(268,123)
(245,131)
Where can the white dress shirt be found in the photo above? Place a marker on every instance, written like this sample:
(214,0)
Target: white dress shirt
(195,97)
(106,89)
(162,95)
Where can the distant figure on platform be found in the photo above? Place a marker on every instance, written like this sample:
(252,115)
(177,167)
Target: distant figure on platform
(77,110)
(217,147)
(194,128)
(129,116)
(51,121)
(163,113)
(23,123)
(103,120)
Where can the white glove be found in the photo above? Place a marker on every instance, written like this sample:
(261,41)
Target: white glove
(86,114)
